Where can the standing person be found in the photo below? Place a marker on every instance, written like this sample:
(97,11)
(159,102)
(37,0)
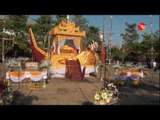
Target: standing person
(154,65)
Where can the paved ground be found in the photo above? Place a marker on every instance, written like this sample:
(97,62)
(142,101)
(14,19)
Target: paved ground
(61,91)
(64,92)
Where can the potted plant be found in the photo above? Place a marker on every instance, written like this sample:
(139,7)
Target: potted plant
(107,95)
(11,64)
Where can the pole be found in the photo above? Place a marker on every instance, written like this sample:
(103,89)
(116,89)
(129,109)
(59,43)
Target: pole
(50,47)
(123,42)
(2,58)
(151,41)
(49,58)
(19,65)
(104,47)
(49,54)
(123,54)
(105,80)
(109,40)
(3,49)
(3,42)
(152,48)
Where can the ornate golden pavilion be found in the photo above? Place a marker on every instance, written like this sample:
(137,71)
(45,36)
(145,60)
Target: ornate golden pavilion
(67,31)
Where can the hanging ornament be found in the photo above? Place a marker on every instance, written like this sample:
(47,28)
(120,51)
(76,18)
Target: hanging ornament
(101,36)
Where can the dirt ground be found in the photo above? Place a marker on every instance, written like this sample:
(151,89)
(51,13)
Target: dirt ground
(61,91)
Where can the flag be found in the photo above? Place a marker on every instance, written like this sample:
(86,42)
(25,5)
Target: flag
(103,55)
(142,26)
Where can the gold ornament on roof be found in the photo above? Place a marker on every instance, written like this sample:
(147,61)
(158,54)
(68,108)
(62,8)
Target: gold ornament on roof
(67,28)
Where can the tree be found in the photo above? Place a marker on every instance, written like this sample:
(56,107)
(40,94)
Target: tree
(93,34)
(59,18)
(116,53)
(130,34)
(44,24)
(18,24)
(80,21)
(130,38)
(147,44)
(42,28)
(156,44)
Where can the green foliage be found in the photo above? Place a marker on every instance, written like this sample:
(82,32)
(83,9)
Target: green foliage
(44,64)
(140,50)
(156,41)
(59,19)
(93,34)
(80,21)
(18,24)
(11,64)
(41,30)
(148,42)
(130,34)
(117,53)
(44,24)
(130,46)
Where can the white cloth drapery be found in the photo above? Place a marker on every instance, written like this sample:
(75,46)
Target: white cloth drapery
(17,79)
(62,42)
(131,75)
(27,75)
(38,77)
(77,46)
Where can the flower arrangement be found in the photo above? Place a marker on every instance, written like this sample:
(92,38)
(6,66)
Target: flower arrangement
(8,33)
(11,64)
(22,58)
(45,64)
(112,87)
(107,95)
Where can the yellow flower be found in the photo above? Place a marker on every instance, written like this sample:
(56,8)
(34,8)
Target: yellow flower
(111,94)
(104,95)
(108,100)
(102,102)
(96,96)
